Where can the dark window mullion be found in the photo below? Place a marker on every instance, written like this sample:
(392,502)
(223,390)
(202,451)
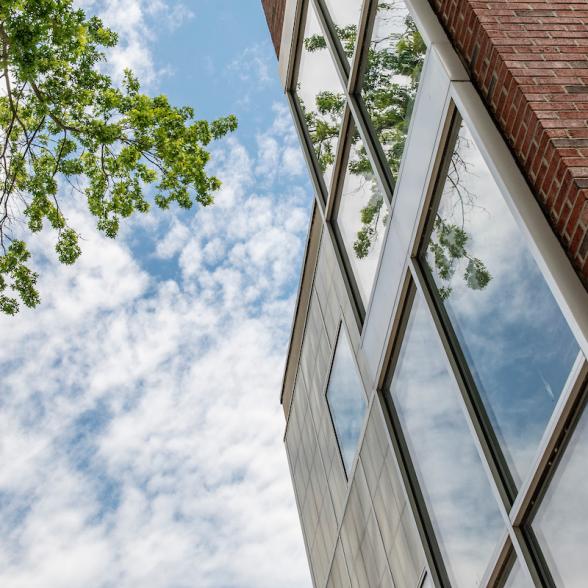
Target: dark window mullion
(485,437)
(360,115)
(374,150)
(359,109)
(339,166)
(552,447)
(368,18)
(331,218)
(560,438)
(308,152)
(402,453)
(332,43)
(317,178)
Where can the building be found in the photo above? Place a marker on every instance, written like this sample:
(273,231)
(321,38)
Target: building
(435,385)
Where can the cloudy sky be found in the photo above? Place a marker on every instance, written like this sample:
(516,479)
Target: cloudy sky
(140,426)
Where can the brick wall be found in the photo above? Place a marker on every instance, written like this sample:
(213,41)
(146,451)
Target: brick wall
(274,14)
(529,61)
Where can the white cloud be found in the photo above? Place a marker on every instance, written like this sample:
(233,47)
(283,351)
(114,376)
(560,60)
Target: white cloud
(254,69)
(137,23)
(278,151)
(252,65)
(140,428)
(292,161)
(174,240)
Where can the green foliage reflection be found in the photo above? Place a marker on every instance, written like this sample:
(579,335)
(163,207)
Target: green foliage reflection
(389,86)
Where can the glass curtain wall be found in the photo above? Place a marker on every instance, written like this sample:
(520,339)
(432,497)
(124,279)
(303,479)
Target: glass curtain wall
(515,340)
(375,86)
(488,346)
(485,367)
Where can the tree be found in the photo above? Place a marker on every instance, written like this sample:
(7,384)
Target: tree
(63,121)
(388,90)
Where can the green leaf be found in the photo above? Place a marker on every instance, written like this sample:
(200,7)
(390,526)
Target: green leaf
(65,123)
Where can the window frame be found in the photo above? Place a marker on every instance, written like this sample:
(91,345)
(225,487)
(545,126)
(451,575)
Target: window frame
(342,328)
(322,189)
(350,75)
(517,510)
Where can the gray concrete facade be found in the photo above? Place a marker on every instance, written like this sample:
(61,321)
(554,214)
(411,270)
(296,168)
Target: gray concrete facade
(360,533)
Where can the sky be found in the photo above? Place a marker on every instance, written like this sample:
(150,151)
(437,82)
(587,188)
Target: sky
(140,425)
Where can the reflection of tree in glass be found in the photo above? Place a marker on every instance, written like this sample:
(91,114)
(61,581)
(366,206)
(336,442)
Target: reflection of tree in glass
(448,240)
(324,122)
(389,86)
(370,214)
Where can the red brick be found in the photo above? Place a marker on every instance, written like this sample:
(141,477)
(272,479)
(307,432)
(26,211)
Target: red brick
(583,252)
(575,214)
(274,14)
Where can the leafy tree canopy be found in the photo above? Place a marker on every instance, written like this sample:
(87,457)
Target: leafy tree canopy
(62,120)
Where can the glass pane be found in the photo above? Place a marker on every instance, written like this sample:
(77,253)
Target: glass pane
(460,502)
(517,578)
(345,15)
(560,524)
(389,84)
(514,337)
(362,215)
(346,400)
(320,95)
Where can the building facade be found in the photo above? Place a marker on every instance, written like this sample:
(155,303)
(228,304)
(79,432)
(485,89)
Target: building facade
(436,382)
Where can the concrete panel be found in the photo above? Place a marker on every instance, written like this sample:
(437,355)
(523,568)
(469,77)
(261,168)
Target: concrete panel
(374,449)
(339,576)
(373,553)
(338,487)
(327,441)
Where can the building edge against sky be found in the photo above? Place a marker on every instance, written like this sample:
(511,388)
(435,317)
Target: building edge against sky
(435,385)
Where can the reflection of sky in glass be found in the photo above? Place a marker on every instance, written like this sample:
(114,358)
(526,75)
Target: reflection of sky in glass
(345,14)
(516,577)
(390,78)
(359,192)
(317,75)
(346,400)
(461,505)
(515,339)
(561,522)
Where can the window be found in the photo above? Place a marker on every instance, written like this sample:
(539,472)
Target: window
(516,342)
(346,400)
(345,15)
(338,101)
(360,217)
(560,524)
(320,95)
(462,508)
(390,78)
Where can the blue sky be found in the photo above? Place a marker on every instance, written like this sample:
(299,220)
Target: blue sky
(140,428)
